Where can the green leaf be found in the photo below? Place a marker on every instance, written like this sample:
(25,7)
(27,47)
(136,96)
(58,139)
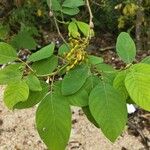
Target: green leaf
(23,40)
(43,53)
(108,72)
(84,28)
(94,60)
(119,84)
(146,60)
(10,74)
(73,30)
(53,121)
(125,47)
(63,49)
(74,79)
(137,83)
(7,53)
(79,99)
(109,110)
(70,11)
(73,3)
(15,92)
(4,31)
(54,5)
(89,116)
(45,66)
(33,83)
(34,97)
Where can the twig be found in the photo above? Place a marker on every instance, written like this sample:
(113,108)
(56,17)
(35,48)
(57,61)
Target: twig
(107,48)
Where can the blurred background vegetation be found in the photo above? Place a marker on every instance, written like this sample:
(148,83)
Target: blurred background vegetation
(29,20)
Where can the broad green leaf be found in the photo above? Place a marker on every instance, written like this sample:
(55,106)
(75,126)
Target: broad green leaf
(146,60)
(70,11)
(7,53)
(45,66)
(89,116)
(94,60)
(53,121)
(79,99)
(54,5)
(34,98)
(137,83)
(10,74)
(43,53)
(119,84)
(73,30)
(109,110)
(125,47)
(33,83)
(74,79)
(84,28)
(24,40)
(63,49)
(73,3)
(15,92)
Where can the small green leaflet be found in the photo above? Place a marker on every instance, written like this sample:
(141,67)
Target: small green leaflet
(43,53)
(94,60)
(53,121)
(11,73)
(34,97)
(74,79)
(15,92)
(70,11)
(54,5)
(73,30)
(33,83)
(73,3)
(45,66)
(119,84)
(79,99)
(137,83)
(109,110)
(7,53)
(125,47)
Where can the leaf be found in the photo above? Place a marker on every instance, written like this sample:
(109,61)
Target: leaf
(63,49)
(74,79)
(23,40)
(108,72)
(45,66)
(54,4)
(10,74)
(84,28)
(70,11)
(7,53)
(79,99)
(137,83)
(34,98)
(119,84)
(108,109)
(73,3)
(146,60)
(94,60)
(33,83)
(43,53)
(73,30)
(53,121)
(89,116)
(125,47)
(15,92)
